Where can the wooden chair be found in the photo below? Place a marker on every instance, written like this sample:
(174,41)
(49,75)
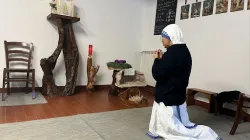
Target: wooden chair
(240,113)
(18,53)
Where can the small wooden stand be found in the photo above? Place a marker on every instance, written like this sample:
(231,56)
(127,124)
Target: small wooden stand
(67,43)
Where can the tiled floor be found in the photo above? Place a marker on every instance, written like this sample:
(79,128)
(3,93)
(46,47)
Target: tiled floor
(81,103)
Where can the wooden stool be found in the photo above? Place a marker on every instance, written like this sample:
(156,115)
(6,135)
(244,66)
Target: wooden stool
(210,96)
(240,113)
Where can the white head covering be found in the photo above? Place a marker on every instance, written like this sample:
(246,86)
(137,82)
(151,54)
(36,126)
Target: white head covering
(175,34)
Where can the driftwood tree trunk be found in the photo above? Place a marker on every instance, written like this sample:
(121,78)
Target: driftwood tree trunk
(89,65)
(91,73)
(66,43)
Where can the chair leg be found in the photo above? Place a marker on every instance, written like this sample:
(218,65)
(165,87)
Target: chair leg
(27,83)
(8,84)
(190,97)
(235,125)
(8,88)
(215,106)
(238,117)
(211,103)
(3,92)
(33,85)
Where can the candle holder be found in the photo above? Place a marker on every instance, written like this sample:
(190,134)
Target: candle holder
(91,71)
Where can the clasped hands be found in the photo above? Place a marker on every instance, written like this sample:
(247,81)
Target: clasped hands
(158,54)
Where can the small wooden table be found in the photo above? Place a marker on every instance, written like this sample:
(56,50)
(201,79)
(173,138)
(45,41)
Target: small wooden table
(211,96)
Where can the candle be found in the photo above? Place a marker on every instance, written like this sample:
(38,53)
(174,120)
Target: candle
(90,50)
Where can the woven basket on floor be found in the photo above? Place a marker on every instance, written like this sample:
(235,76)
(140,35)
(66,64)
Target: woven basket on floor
(125,95)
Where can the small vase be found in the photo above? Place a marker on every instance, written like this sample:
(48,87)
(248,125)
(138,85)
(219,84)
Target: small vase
(53,10)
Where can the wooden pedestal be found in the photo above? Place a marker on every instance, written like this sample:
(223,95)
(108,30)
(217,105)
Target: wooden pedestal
(113,90)
(67,44)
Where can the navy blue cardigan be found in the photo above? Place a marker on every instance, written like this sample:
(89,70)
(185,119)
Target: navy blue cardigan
(172,75)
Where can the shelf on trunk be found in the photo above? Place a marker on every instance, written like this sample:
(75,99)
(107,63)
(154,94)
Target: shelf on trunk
(54,16)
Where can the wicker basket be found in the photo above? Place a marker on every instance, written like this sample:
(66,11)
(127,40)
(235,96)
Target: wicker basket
(125,95)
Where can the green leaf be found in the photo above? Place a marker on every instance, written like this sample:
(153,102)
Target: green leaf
(118,65)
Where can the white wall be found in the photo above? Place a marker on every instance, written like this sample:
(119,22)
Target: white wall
(219,45)
(113,30)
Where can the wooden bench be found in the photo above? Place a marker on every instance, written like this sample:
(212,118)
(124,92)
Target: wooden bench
(211,96)
(212,105)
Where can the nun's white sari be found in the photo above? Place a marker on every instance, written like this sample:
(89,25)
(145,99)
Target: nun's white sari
(172,123)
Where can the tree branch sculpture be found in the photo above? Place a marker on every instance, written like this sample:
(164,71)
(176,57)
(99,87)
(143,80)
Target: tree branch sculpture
(91,73)
(67,43)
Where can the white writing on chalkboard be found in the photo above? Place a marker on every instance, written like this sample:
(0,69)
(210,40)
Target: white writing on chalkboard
(165,14)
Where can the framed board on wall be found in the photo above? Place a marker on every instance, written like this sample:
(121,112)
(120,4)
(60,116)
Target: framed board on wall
(165,14)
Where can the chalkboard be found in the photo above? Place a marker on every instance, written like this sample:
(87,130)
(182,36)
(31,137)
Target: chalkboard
(165,14)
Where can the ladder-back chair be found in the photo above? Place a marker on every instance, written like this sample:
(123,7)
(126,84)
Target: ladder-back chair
(240,113)
(18,53)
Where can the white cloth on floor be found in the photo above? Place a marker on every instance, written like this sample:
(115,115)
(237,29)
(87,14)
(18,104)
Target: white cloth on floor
(172,123)
(129,72)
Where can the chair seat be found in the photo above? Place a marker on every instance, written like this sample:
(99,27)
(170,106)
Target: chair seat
(246,98)
(18,79)
(18,70)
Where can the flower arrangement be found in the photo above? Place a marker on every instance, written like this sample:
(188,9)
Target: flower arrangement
(53,4)
(118,64)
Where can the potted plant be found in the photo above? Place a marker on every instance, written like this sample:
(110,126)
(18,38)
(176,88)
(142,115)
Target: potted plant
(118,65)
(53,6)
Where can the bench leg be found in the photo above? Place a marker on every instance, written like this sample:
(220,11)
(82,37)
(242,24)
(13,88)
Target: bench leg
(212,104)
(190,98)
(215,107)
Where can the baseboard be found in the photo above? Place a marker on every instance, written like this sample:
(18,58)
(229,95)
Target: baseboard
(20,89)
(39,89)
(79,88)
